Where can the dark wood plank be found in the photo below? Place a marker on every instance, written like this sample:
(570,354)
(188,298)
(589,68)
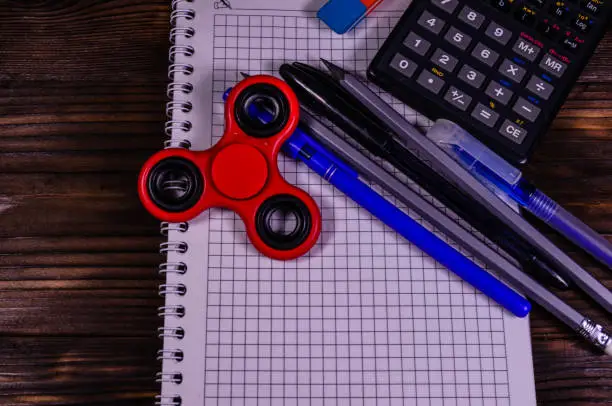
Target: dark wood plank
(82,92)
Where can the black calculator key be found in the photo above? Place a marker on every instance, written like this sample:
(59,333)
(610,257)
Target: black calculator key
(548,29)
(572,44)
(540,87)
(471,76)
(485,54)
(503,5)
(526,15)
(512,71)
(552,65)
(499,93)
(430,82)
(592,6)
(513,131)
(559,9)
(485,115)
(498,33)
(457,98)
(404,65)
(445,60)
(526,49)
(526,110)
(471,17)
(447,5)
(417,43)
(431,23)
(582,23)
(458,38)
(537,3)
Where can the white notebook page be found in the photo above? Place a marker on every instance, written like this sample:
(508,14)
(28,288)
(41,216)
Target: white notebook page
(365,318)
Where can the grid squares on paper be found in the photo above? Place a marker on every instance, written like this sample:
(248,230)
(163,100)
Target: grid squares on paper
(365,318)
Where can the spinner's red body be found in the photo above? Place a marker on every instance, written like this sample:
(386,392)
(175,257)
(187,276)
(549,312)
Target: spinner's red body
(240,173)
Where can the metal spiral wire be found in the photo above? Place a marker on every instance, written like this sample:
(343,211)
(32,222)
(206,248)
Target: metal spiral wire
(174,355)
(168,400)
(178,107)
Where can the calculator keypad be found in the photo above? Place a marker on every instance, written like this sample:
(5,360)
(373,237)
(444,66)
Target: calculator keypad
(500,64)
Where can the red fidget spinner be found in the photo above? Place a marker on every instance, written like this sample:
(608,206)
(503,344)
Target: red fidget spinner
(239,173)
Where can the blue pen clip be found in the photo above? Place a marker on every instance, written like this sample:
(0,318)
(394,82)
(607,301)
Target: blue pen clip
(470,152)
(485,165)
(302,142)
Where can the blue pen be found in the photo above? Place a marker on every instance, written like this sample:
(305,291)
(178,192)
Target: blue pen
(507,181)
(302,147)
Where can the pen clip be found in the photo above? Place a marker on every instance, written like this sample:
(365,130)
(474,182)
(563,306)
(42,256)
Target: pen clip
(468,151)
(317,147)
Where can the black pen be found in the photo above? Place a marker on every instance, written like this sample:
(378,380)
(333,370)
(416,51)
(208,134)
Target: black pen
(321,94)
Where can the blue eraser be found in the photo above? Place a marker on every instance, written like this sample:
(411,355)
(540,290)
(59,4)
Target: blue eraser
(342,15)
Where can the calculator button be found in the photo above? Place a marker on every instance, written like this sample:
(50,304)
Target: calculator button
(503,5)
(417,44)
(559,9)
(513,131)
(430,22)
(498,33)
(582,23)
(552,65)
(430,82)
(549,30)
(458,38)
(540,88)
(526,15)
(403,65)
(444,60)
(471,17)
(485,54)
(512,71)
(526,49)
(471,76)
(538,3)
(485,115)
(447,5)
(458,98)
(526,109)
(499,93)
(594,6)
(572,44)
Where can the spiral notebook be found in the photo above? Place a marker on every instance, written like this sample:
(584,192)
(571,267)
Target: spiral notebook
(365,318)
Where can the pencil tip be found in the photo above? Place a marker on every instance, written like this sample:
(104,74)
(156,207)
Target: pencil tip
(245,75)
(335,71)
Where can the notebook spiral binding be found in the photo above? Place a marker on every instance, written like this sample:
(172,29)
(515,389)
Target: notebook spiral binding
(178,91)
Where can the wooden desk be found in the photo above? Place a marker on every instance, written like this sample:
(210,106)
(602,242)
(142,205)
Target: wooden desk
(82,92)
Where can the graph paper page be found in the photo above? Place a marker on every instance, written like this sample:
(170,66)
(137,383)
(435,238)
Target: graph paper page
(365,318)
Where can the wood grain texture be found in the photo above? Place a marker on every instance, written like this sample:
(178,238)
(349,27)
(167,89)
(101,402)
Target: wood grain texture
(82,91)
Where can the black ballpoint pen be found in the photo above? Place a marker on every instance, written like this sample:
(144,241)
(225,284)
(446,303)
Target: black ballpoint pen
(320,93)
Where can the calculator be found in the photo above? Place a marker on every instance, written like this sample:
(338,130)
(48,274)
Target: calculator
(499,68)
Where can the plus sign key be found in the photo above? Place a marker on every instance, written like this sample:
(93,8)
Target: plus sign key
(540,88)
(498,92)
(458,98)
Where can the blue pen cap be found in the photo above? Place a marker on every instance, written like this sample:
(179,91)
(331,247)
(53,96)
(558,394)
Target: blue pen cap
(342,15)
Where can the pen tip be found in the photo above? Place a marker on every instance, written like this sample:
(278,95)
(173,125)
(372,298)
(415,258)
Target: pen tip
(245,75)
(335,71)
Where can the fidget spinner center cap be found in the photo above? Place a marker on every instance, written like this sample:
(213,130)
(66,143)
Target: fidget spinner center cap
(239,171)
